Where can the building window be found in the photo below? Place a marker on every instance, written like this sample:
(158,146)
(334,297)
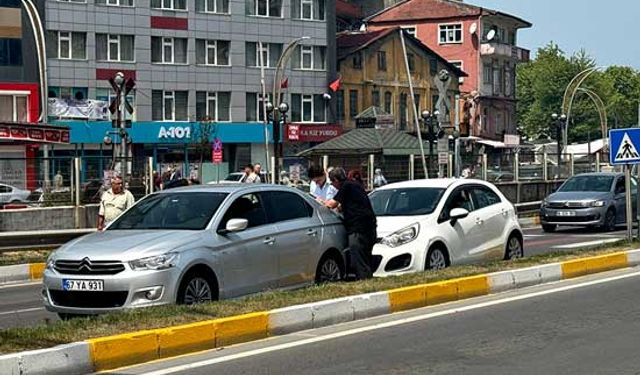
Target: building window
(213,105)
(487,74)
(451,33)
(212,6)
(308,9)
(382,60)
(169,4)
(13,107)
(340,104)
(107,95)
(375,98)
(270,54)
(307,108)
(264,8)
(212,52)
(416,98)
(66,45)
(411,60)
(433,66)
(255,106)
(68,93)
(10,52)
(411,30)
(388,99)
(403,111)
(353,104)
(116,3)
(169,105)
(168,50)
(110,47)
(357,60)
(72,1)
(309,58)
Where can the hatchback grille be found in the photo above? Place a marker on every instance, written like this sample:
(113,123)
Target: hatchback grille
(567,205)
(88,267)
(88,299)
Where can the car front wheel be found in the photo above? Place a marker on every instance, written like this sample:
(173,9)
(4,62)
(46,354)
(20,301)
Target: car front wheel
(329,270)
(609,224)
(515,248)
(196,288)
(436,259)
(548,228)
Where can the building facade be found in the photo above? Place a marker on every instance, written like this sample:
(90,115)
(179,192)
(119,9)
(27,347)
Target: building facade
(480,41)
(376,83)
(192,61)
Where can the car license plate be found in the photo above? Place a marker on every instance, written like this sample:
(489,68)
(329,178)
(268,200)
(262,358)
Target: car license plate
(83,285)
(566,213)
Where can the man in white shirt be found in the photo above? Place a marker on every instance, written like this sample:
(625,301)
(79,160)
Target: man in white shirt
(114,202)
(320,187)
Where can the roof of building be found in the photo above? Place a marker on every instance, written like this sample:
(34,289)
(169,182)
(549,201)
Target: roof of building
(369,141)
(412,10)
(345,9)
(350,42)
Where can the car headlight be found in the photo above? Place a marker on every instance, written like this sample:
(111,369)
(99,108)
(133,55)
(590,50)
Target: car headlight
(158,262)
(50,262)
(598,203)
(545,202)
(402,236)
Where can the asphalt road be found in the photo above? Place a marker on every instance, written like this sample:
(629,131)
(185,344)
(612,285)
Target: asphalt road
(21,305)
(582,326)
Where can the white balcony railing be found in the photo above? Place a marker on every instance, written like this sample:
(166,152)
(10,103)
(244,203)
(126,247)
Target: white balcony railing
(504,50)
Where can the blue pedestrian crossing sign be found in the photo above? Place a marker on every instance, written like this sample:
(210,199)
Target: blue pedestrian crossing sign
(624,145)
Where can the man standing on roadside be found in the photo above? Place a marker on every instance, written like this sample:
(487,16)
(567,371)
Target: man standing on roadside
(359,221)
(251,176)
(114,202)
(320,187)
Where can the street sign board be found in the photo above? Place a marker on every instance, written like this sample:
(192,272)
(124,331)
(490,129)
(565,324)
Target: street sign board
(624,145)
(217,151)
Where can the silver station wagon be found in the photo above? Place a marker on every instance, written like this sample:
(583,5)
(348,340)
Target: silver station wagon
(197,244)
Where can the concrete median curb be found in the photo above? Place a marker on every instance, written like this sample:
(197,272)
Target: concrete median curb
(529,221)
(107,353)
(21,272)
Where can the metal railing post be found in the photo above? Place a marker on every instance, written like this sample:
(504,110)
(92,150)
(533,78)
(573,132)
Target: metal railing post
(571,165)
(597,162)
(516,167)
(372,160)
(325,162)
(450,166)
(150,174)
(273,170)
(485,165)
(412,167)
(545,172)
(77,165)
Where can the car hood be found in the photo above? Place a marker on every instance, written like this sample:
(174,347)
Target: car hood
(390,224)
(126,245)
(577,196)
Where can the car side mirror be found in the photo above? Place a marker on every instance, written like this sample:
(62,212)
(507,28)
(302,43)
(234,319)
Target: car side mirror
(235,225)
(457,214)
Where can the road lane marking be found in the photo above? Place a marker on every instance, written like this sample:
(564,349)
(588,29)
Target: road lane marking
(22,311)
(587,244)
(20,284)
(378,326)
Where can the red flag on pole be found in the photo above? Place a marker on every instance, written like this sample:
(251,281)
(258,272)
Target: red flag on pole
(335,85)
(284,83)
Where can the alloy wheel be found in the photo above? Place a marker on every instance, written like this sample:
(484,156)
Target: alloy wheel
(514,248)
(329,271)
(437,261)
(197,291)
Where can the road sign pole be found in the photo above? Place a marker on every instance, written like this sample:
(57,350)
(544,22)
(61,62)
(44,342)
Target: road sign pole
(627,182)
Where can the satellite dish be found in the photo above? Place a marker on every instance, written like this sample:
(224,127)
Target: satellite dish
(491,34)
(473,28)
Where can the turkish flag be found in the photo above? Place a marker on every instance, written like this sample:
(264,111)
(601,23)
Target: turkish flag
(335,85)
(284,83)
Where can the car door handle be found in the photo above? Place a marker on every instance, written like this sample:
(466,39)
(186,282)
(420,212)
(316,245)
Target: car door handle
(504,212)
(312,232)
(269,241)
(479,221)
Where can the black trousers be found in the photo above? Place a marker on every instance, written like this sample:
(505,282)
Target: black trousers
(360,247)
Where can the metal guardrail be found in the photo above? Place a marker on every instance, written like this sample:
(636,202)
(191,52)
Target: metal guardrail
(527,207)
(39,240)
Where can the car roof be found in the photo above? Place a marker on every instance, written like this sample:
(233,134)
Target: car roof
(441,183)
(610,174)
(226,188)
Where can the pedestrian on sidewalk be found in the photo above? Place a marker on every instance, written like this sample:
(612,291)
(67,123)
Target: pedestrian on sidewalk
(113,202)
(320,187)
(359,221)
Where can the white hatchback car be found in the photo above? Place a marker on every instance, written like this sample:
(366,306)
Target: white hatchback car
(432,224)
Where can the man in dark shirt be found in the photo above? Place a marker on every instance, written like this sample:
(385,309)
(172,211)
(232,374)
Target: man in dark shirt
(359,220)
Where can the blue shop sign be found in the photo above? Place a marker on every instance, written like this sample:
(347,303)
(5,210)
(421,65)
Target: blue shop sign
(153,132)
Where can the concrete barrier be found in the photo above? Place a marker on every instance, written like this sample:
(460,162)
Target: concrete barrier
(48,218)
(21,272)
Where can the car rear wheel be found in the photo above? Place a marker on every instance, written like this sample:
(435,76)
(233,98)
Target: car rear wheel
(548,228)
(609,224)
(436,259)
(329,269)
(515,249)
(196,287)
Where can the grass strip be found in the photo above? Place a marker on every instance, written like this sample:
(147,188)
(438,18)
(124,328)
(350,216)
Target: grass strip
(62,332)
(9,258)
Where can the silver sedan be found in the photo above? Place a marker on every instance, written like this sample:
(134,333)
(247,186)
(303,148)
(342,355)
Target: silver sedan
(197,244)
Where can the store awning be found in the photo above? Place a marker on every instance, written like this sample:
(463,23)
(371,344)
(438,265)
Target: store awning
(33,132)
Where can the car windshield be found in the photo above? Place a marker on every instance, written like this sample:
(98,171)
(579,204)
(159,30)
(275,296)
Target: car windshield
(587,183)
(406,201)
(181,210)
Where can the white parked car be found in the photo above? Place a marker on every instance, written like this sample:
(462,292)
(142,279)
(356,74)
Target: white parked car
(12,194)
(432,224)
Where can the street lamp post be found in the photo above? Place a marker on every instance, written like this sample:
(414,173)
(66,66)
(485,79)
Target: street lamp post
(283,108)
(559,123)
(430,121)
